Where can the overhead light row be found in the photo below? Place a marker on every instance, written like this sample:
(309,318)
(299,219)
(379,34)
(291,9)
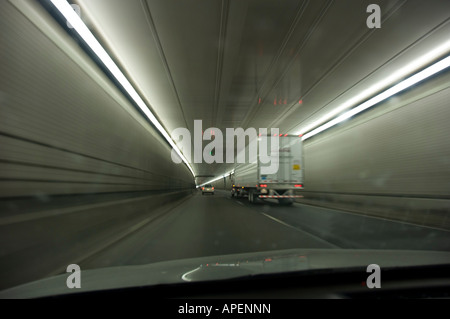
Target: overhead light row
(217,178)
(83,31)
(435,68)
(321,124)
(403,85)
(69,14)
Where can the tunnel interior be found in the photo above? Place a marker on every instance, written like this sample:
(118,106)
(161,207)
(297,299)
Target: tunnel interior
(102,165)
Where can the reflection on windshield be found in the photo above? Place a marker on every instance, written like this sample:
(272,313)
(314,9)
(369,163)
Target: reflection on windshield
(321,129)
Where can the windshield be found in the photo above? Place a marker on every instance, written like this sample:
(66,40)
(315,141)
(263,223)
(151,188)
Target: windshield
(313,128)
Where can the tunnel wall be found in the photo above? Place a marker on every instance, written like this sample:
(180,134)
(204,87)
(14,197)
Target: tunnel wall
(400,148)
(391,161)
(64,127)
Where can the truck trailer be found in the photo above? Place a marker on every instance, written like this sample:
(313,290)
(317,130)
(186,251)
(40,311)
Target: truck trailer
(252,180)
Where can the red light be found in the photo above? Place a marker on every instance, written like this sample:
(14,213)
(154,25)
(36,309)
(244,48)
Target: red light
(281,134)
(268,259)
(300,102)
(213,188)
(298,185)
(275,135)
(301,135)
(259,101)
(285,135)
(263,185)
(203,188)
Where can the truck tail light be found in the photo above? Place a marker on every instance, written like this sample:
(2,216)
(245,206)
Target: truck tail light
(263,185)
(298,185)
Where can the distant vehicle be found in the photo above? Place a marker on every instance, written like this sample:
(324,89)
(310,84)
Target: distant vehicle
(248,179)
(208,189)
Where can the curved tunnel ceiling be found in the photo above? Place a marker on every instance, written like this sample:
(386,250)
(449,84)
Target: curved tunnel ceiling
(261,63)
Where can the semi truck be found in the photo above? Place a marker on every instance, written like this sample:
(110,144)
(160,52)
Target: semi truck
(254,180)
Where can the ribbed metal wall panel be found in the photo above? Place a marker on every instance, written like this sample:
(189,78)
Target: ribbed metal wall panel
(399,148)
(61,132)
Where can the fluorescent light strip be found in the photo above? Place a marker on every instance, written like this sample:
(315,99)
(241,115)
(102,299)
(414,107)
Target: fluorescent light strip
(217,178)
(67,11)
(418,77)
(394,77)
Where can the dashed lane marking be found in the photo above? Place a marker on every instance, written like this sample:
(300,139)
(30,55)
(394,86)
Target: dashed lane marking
(300,230)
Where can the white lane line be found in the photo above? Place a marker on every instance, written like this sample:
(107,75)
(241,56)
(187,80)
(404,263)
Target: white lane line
(279,221)
(300,230)
(159,212)
(108,243)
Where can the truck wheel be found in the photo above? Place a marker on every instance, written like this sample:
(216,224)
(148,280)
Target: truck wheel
(251,197)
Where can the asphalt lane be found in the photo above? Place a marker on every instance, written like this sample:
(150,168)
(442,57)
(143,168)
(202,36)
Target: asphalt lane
(213,225)
(354,231)
(208,225)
